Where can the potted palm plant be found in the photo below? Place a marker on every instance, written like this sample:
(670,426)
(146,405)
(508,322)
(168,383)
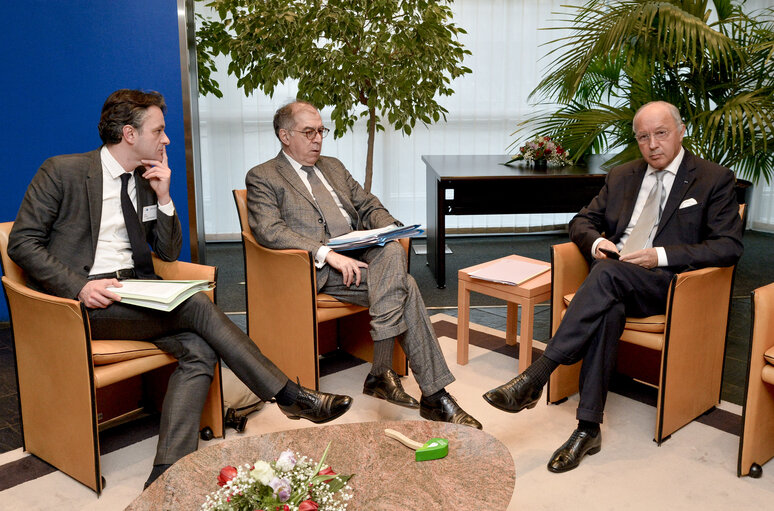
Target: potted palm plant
(619,55)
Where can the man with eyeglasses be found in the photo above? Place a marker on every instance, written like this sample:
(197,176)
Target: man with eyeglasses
(300,200)
(666,213)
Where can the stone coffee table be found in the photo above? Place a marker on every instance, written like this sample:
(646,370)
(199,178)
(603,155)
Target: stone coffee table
(478,472)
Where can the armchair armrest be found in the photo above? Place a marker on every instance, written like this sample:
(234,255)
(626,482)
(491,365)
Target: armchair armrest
(181,270)
(568,270)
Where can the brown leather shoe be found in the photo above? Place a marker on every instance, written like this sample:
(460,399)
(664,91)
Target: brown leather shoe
(387,386)
(570,454)
(446,409)
(317,407)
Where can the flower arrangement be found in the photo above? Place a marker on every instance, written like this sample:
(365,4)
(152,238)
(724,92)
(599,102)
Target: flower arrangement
(543,149)
(290,483)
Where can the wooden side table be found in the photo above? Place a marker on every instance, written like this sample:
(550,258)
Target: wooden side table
(526,295)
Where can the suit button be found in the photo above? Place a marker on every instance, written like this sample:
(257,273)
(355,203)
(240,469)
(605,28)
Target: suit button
(87,268)
(319,220)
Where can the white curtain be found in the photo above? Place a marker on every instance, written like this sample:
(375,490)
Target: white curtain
(236,131)
(507,45)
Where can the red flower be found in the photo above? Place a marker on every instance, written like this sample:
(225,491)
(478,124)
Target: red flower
(327,471)
(227,473)
(308,505)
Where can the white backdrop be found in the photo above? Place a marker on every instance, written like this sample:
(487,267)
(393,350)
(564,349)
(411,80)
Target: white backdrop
(504,36)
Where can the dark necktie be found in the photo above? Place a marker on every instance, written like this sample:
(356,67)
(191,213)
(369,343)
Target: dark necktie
(643,231)
(143,263)
(335,221)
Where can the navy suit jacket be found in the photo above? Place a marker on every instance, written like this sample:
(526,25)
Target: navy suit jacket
(694,235)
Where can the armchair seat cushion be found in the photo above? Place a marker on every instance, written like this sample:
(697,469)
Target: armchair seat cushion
(652,324)
(110,352)
(326,301)
(769,355)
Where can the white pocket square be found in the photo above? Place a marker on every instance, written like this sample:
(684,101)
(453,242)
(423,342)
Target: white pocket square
(687,203)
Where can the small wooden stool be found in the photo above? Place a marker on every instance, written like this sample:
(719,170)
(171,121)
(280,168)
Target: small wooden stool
(527,295)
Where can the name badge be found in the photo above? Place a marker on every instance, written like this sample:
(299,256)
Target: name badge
(149,213)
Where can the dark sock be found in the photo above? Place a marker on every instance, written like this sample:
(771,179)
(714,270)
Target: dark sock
(540,370)
(590,427)
(382,356)
(435,396)
(156,472)
(288,395)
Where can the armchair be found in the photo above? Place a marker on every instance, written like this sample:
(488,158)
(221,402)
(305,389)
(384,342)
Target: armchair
(756,444)
(289,320)
(71,387)
(679,352)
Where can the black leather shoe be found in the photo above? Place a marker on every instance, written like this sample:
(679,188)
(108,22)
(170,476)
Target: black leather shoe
(317,407)
(387,386)
(514,396)
(570,454)
(446,409)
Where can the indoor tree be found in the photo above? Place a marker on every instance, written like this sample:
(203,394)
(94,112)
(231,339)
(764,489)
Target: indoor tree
(379,59)
(619,55)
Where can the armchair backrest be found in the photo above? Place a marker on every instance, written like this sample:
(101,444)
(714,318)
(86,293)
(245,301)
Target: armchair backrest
(240,198)
(10,268)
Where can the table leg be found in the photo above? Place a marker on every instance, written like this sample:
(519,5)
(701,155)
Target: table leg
(463,322)
(510,324)
(525,339)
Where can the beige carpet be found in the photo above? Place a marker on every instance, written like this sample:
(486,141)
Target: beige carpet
(695,469)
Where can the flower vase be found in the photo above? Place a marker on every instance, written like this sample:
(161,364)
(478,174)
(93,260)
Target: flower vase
(541,164)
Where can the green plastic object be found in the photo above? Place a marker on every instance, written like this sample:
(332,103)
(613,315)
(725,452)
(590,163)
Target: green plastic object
(433,449)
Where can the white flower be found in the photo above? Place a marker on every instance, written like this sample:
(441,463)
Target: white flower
(262,472)
(286,461)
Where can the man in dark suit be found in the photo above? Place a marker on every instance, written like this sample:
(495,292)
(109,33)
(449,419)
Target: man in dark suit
(300,200)
(667,213)
(74,237)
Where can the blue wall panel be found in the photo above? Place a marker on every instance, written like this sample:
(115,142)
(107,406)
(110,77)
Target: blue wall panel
(60,61)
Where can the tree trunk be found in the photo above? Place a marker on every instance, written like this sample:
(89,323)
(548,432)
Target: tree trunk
(369,170)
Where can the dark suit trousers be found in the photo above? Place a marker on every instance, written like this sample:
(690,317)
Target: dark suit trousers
(196,332)
(397,310)
(595,319)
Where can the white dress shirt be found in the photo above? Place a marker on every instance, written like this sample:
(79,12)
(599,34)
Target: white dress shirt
(114,252)
(647,184)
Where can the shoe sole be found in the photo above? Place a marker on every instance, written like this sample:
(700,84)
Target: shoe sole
(372,393)
(590,452)
(529,406)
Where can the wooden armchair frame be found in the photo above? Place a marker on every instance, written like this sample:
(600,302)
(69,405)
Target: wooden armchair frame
(67,382)
(290,322)
(756,443)
(686,344)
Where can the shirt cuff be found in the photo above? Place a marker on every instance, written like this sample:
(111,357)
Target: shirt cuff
(319,258)
(594,247)
(168,208)
(662,257)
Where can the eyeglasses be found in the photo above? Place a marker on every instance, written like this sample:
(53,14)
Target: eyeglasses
(645,137)
(311,133)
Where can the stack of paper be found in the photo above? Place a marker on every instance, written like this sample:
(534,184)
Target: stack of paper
(372,237)
(510,271)
(162,295)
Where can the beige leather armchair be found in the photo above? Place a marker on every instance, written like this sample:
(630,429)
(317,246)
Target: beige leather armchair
(71,387)
(756,444)
(679,352)
(289,321)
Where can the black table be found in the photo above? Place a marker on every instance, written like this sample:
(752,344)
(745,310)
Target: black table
(481,185)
